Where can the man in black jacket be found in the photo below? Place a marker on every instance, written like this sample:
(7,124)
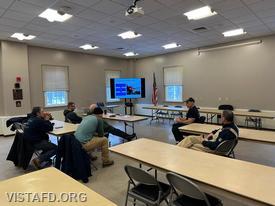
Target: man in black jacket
(36,131)
(70,115)
(209,143)
(192,116)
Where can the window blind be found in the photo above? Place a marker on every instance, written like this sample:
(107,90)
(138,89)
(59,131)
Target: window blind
(55,78)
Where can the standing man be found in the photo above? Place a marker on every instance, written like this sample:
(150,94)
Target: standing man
(70,115)
(90,134)
(192,116)
(36,131)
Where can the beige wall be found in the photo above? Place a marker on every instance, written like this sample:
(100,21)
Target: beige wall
(1,86)
(86,73)
(14,62)
(242,76)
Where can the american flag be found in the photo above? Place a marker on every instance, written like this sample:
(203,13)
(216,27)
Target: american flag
(155,91)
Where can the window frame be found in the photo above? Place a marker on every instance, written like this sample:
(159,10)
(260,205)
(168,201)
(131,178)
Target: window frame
(164,85)
(43,92)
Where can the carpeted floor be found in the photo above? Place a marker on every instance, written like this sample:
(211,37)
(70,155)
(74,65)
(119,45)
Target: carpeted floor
(111,182)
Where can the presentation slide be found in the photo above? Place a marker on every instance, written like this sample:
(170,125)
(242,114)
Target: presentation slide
(130,88)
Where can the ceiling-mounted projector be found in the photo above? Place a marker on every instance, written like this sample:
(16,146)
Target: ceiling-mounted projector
(134,10)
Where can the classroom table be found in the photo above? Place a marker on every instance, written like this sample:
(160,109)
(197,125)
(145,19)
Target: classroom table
(50,181)
(211,112)
(62,128)
(244,133)
(128,120)
(156,109)
(241,181)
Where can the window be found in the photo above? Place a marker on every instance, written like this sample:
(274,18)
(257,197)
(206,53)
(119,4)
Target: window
(55,85)
(173,83)
(109,75)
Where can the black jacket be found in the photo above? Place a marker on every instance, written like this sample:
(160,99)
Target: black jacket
(71,116)
(226,133)
(21,151)
(13,120)
(36,129)
(72,159)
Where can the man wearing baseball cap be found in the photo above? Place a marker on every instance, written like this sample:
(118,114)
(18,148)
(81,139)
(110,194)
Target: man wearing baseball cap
(192,116)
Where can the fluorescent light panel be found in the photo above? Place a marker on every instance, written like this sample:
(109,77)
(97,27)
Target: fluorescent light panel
(200,13)
(130,54)
(21,36)
(88,47)
(52,15)
(129,35)
(171,46)
(234,32)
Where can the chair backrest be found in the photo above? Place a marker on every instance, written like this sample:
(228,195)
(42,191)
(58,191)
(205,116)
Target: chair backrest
(186,187)
(100,104)
(226,107)
(202,119)
(19,127)
(226,147)
(139,175)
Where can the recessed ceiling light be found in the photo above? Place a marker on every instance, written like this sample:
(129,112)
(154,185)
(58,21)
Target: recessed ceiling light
(171,46)
(234,32)
(129,35)
(200,13)
(130,54)
(21,36)
(88,47)
(53,15)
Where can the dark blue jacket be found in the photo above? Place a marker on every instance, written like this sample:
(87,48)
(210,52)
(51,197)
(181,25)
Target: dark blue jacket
(72,159)
(225,134)
(36,129)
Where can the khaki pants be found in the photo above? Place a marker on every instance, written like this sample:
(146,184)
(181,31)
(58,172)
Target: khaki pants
(194,142)
(98,142)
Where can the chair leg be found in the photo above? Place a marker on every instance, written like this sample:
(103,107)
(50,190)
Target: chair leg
(134,202)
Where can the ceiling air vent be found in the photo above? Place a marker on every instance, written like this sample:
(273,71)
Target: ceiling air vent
(200,29)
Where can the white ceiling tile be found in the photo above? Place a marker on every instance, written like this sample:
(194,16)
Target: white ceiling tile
(15,23)
(19,15)
(108,7)
(6,3)
(27,8)
(85,3)
(41,3)
(92,14)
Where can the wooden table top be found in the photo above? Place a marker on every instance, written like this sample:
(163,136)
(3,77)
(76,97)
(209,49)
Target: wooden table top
(49,180)
(249,180)
(246,134)
(61,128)
(124,118)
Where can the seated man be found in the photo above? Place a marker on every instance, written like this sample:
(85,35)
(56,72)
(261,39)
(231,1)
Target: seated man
(114,131)
(85,133)
(70,115)
(192,116)
(37,127)
(209,143)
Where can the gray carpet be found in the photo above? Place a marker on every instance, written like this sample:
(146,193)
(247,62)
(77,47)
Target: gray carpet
(111,182)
